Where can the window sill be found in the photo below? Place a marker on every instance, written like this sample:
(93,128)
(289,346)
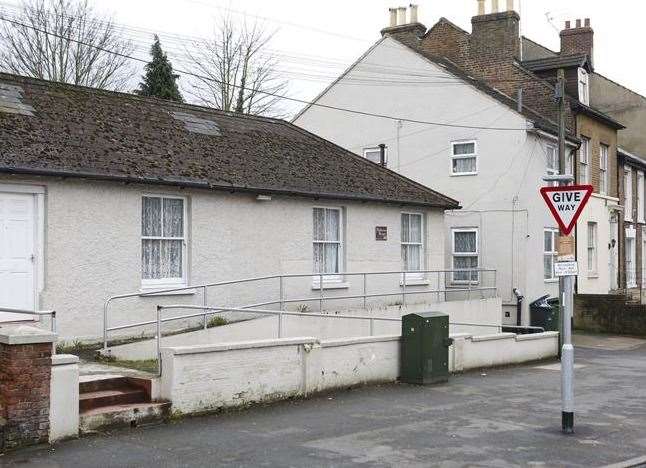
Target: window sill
(415,282)
(593,275)
(553,280)
(466,174)
(331,285)
(145,291)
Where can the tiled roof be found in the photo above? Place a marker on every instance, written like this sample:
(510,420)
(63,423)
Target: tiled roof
(73,131)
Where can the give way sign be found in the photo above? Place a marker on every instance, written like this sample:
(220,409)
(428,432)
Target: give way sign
(566,204)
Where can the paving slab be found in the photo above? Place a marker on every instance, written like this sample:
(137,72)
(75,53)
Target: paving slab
(504,417)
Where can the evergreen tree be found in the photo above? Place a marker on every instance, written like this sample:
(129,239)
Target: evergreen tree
(159,79)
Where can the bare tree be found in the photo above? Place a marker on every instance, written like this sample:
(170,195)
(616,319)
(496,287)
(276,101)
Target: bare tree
(65,41)
(237,71)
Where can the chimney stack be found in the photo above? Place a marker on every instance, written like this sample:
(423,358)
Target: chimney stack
(401,16)
(494,6)
(413,13)
(510,5)
(578,40)
(393,17)
(481,7)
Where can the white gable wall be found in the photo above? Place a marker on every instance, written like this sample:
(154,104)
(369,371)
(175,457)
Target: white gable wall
(502,200)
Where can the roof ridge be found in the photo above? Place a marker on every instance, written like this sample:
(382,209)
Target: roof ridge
(134,97)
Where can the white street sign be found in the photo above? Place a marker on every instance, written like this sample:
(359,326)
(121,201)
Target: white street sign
(566,268)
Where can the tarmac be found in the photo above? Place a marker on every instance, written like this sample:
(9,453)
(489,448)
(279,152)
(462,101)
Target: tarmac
(494,418)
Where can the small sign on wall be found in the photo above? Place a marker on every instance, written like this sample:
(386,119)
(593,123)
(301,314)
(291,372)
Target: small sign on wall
(381,233)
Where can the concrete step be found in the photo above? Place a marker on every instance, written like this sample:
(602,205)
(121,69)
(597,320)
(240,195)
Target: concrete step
(126,415)
(116,396)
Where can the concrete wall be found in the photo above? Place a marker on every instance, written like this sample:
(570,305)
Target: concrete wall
(610,314)
(64,398)
(204,378)
(92,249)
(502,200)
(477,311)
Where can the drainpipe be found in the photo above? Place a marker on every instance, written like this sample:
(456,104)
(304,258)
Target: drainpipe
(519,306)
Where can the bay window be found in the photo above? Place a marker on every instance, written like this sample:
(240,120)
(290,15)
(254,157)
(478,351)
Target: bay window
(163,241)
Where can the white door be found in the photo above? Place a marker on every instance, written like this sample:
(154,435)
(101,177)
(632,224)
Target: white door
(16,254)
(613,254)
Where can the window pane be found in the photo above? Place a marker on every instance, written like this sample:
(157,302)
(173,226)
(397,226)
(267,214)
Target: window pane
(464,165)
(331,258)
(319,223)
(461,263)
(151,216)
(548,241)
(319,259)
(332,225)
(464,148)
(151,259)
(173,217)
(373,155)
(465,242)
(547,266)
(416,228)
(411,256)
(171,259)
(405,228)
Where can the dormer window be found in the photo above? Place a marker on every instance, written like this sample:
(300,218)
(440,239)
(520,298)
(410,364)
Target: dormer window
(584,87)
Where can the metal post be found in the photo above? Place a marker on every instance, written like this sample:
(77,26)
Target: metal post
(105,325)
(53,320)
(438,286)
(321,293)
(566,285)
(404,291)
(159,369)
(372,326)
(205,304)
(364,291)
(469,285)
(282,294)
(567,358)
(280,324)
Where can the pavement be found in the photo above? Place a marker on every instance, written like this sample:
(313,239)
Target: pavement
(495,418)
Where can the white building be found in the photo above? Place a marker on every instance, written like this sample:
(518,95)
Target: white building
(462,137)
(104,193)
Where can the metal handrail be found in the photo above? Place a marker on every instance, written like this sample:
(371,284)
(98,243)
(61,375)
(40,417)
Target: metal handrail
(39,313)
(321,298)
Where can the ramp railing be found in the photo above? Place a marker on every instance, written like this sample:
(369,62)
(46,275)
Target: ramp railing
(443,284)
(36,313)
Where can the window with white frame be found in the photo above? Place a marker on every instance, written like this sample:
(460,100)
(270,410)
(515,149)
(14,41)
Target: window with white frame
(584,161)
(592,248)
(465,255)
(327,242)
(412,242)
(163,241)
(640,197)
(549,253)
(373,154)
(464,158)
(603,169)
(584,87)
(552,161)
(628,194)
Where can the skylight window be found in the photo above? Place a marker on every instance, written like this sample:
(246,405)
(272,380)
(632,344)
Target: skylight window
(197,124)
(11,100)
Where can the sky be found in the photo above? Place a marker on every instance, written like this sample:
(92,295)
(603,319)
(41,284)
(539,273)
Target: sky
(316,40)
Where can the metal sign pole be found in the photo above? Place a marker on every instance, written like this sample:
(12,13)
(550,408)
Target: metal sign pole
(566,251)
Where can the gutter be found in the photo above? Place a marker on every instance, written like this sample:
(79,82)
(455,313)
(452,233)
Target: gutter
(208,186)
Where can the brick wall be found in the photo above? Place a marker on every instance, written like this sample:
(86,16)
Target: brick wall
(599,134)
(25,372)
(579,40)
(607,313)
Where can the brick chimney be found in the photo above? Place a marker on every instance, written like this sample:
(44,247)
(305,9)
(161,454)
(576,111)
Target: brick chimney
(578,40)
(400,27)
(496,35)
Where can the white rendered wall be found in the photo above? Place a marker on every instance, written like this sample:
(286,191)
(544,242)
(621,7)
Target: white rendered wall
(93,249)
(482,311)
(204,378)
(597,210)
(502,200)
(64,397)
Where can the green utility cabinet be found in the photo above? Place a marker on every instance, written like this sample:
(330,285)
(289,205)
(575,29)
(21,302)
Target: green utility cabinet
(425,348)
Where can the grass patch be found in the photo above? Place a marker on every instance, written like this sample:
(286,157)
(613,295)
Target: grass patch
(145,365)
(217,321)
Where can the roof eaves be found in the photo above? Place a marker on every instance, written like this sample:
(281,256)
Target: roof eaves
(597,114)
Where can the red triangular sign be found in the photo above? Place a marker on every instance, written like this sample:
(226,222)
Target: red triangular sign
(566,204)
